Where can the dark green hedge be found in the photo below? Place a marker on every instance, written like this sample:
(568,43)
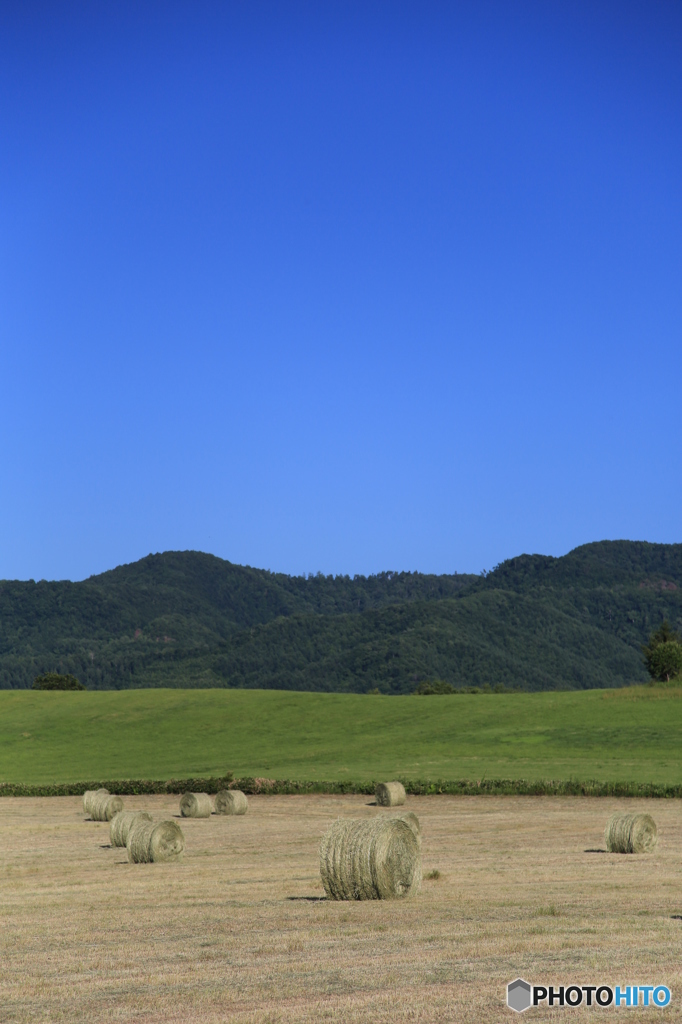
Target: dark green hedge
(122,787)
(275,787)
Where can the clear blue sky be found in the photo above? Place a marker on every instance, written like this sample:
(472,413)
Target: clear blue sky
(340,287)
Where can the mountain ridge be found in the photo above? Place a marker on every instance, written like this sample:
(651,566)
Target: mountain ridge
(193,619)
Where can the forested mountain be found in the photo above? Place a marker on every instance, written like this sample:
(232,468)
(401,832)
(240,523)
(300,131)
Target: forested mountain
(190,619)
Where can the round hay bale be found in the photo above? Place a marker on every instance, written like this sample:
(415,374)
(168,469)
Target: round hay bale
(103,806)
(390,794)
(411,819)
(370,859)
(231,801)
(150,843)
(121,824)
(195,805)
(631,833)
(89,795)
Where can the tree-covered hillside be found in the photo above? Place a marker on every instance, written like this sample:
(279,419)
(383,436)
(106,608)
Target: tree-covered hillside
(190,619)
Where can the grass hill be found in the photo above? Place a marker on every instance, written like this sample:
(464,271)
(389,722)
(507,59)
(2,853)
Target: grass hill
(626,735)
(189,619)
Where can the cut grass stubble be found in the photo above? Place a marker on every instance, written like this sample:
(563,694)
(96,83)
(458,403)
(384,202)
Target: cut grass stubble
(242,932)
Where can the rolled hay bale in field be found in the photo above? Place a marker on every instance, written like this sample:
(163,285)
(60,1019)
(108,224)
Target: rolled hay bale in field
(103,806)
(231,801)
(150,843)
(195,805)
(89,795)
(390,794)
(631,833)
(370,859)
(411,819)
(121,823)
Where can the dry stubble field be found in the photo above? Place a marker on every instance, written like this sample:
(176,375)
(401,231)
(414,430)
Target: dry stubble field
(240,932)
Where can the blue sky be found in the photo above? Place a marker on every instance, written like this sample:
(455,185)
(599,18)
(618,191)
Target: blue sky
(340,287)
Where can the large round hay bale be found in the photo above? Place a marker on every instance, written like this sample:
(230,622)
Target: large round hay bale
(121,823)
(89,795)
(195,805)
(231,801)
(390,794)
(370,859)
(631,833)
(150,843)
(411,819)
(103,806)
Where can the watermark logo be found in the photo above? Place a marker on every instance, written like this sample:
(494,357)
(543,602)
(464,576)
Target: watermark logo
(521,995)
(518,995)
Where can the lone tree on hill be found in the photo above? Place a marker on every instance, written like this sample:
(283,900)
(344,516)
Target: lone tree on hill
(53,681)
(663,653)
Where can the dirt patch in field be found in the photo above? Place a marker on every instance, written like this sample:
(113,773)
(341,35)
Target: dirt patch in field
(240,932)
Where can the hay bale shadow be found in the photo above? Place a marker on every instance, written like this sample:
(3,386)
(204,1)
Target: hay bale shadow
(595,850)
(306,899)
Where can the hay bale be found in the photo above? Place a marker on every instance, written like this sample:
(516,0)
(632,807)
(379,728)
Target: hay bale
(121,824)
(195,805)
(390,794)
(411,819)
(231,801)
(150,843)
(631,833)
(370,859)
(89,795)
(103,806)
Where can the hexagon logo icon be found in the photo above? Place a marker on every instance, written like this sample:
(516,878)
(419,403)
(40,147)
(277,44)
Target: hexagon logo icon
(518,995)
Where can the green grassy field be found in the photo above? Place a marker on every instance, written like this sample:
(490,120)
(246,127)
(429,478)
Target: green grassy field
(630,735)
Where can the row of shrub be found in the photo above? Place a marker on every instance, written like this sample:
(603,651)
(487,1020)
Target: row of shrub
(417,787)
(122,787)
(438,686)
